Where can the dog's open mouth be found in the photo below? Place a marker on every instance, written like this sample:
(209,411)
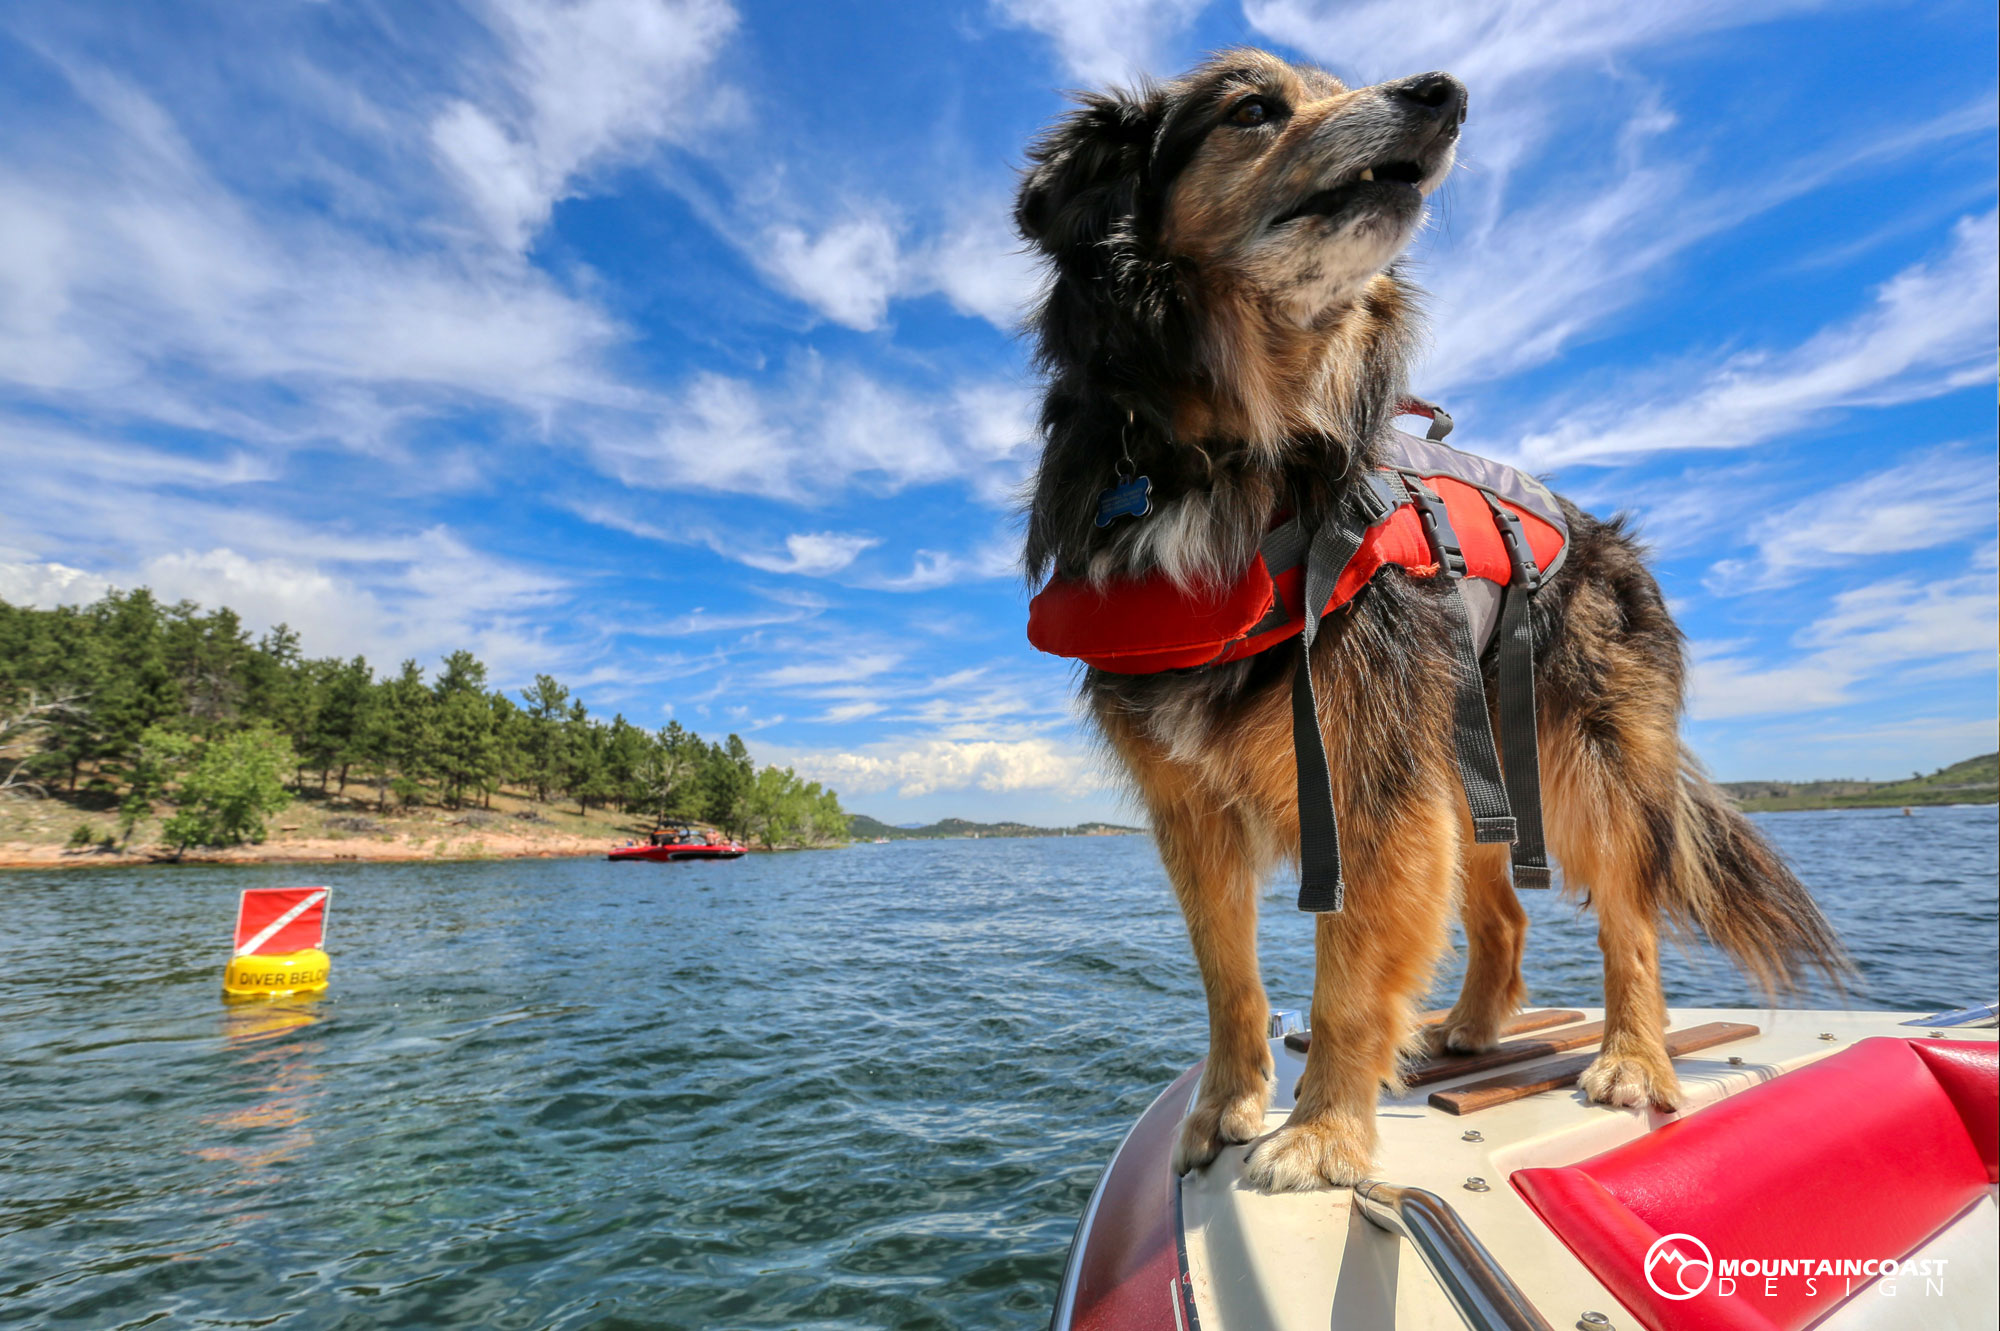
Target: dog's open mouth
(1373,181)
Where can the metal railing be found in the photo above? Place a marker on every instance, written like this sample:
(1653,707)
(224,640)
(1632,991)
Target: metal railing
(1485,1296)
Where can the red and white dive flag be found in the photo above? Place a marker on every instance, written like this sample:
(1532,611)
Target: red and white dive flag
(280,919)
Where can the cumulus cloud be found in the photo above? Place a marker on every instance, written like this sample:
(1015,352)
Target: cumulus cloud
(927,766)
(847,272)
(851,270)
(815,554)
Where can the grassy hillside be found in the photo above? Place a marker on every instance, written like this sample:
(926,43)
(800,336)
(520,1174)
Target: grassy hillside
(1974,781)
(863,828)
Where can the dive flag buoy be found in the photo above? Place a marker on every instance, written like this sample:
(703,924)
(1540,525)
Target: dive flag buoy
(280,932)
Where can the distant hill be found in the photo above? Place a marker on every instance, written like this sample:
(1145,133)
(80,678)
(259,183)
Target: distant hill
(863,828)
(1974,781)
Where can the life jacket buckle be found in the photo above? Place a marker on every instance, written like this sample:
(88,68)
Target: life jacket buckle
(1519,553)
(1437,528)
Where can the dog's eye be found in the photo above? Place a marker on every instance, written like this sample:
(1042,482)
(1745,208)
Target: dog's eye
(1252,111)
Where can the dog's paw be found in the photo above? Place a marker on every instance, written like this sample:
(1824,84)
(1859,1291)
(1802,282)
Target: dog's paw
(1629,1081)
(1215,1123)
(1301,1157)
(1461,1035)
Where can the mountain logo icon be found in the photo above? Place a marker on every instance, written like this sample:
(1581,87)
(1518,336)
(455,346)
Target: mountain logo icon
(1679,1266)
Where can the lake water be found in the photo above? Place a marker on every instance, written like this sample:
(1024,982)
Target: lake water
(861,1088)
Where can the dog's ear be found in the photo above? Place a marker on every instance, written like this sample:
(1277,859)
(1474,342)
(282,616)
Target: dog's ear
(1086,172)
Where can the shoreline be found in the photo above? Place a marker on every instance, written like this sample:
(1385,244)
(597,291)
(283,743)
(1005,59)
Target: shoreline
(311,850)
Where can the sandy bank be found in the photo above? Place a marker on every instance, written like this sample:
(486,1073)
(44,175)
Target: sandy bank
(455,844)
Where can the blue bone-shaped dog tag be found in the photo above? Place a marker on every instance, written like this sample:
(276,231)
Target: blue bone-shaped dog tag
(1127,499)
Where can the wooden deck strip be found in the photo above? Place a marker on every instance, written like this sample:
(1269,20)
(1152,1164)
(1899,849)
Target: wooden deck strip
(1443,1067)
(1521,1084)
(1518,1024)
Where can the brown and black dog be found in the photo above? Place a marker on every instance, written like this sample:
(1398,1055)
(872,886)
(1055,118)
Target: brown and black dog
(1224,302)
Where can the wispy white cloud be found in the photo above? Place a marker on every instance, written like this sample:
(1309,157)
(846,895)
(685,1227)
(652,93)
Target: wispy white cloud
(816,431)
(583,85)
(1937,498)
(1573,194)
(1895,630)
(1930,330)
(834,670)
(1493,42)
(1105,41)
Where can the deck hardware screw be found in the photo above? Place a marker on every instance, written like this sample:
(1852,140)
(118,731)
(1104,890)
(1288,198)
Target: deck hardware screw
(1476,1185)
(1736,1060)
(1937,1035)
(1828,1035)
(1473,1136)
(1591,1321)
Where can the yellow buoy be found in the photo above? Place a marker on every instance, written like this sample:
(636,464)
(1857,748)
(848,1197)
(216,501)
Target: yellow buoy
(280,934)
(274,974)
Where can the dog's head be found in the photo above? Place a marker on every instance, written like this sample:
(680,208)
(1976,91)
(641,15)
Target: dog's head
(1229,216)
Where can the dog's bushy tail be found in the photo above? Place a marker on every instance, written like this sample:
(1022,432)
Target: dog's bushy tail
(1728,882)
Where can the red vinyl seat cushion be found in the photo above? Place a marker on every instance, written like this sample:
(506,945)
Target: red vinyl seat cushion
(1862,1155)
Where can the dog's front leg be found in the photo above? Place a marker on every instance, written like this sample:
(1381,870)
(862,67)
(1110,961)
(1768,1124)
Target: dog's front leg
(1373,961)
(1203,845)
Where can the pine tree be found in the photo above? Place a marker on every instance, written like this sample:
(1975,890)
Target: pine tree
(407,734)
(464,753)
(545,706)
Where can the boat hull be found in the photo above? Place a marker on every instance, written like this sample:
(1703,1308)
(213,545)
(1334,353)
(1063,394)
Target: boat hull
(676,854)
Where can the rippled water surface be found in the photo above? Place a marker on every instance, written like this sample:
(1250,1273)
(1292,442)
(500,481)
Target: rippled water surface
(861,1088)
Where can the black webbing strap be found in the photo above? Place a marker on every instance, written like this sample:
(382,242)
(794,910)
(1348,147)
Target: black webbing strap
(1515,644)
(1333,545)
(1472,729)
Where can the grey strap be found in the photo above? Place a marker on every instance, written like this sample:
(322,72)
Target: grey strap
(1518,742)
(1321,887)
(1472,728)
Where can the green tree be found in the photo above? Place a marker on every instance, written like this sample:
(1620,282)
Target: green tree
(727,773)
(671,773)
(545,707)
(209,657)
(464,754)
(132,686)
(161,755)
(344,699)
(586,776)
(509,736)
(625,753)
(403,738)
(234,783)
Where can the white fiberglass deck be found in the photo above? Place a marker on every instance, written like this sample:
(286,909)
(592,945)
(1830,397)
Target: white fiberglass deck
(1287,1263)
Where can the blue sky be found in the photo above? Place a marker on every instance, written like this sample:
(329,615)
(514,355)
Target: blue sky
(666,345)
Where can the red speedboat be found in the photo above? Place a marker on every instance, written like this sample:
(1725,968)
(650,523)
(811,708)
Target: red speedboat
(679,843)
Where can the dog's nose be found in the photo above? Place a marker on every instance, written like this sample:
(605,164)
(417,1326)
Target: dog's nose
(1436,94)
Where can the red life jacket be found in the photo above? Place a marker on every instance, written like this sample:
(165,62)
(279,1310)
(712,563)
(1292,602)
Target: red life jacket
(1144,625)
(1497,533)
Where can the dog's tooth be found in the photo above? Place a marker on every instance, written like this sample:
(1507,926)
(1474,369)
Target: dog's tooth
(1368,173)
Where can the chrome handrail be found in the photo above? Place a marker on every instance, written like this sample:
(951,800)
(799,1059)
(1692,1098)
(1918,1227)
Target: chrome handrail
(1484,1294)
(1980,1014)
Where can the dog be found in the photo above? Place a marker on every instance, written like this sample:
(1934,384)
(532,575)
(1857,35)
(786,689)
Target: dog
(1224,313)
